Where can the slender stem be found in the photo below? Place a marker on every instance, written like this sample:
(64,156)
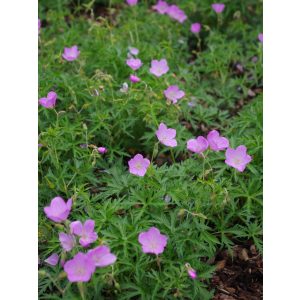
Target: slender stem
(81,290)
(196,214)
(86,137)
(71,179)
(203,172)
(235,176)
(158,263)
(199,43)
(172,156)
(154,152)
(57,161)
(219,21)
(56,117)
(135,26)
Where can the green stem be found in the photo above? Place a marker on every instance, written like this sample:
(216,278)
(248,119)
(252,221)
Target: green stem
(158,263)
(203,172)
(56,116)
(172,156)
(154,152)
(199,43)
(81,290)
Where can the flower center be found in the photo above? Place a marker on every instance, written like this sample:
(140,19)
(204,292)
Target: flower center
(237,161)
(138,166)
(153,245)
(172,95)
(79,271)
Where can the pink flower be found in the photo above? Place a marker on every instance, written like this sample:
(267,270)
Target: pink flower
(134,63)
(52,259)
(67,241)
(218,7)
(195,28)
(192,273)
(237,158)
(58,211)
(85,231)
(134,79)
(134,51)
(166,135)
(176,13)
(159,67)
(132,2)
(71,54)
(217,142)
(173,93)
(197,145)
(49,101)
(161,7)
(153,241)
(80,268)
(138,165)
(101,256)
(40,25)
(260,37)
(102,150)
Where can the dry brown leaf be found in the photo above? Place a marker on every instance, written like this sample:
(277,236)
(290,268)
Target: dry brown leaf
(243,255)
(220,265)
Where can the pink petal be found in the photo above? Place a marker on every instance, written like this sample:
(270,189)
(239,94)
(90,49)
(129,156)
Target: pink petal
(76,228)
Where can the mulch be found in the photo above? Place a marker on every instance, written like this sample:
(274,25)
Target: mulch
(238,276)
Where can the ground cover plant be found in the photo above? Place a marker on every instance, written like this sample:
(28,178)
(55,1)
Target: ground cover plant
(150,147)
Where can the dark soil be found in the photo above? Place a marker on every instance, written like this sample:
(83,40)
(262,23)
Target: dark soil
(239,276)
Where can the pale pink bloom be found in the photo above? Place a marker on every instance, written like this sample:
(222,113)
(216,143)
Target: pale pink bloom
(192,273)
(52,259)
(102,150)
(71,54)
(166,135)
(161,7)
(132,2)
(195,28)
(80,268)
(153,241)
(40,25)
(49,101)
(159,67)
(173,93)
(59,210)
(134,78)
(197,145)
(217,142)
(138,165)
(260,37)
(237,158)
(134,51)
(218,7)
(176,13)
(134,63)
(102,256)
(84,231)
(67,241)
